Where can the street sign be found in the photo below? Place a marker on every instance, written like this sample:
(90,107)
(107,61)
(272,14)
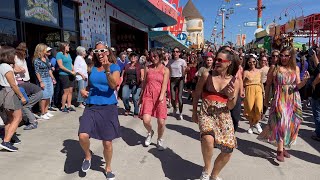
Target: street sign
(182,36)
(250,24)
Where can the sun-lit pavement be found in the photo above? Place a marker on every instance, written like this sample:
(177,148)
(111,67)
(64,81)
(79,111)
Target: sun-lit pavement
(52,152)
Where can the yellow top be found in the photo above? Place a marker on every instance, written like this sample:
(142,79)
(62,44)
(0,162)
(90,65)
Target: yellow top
(252,78)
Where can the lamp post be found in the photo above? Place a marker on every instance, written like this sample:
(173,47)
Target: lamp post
(223,24)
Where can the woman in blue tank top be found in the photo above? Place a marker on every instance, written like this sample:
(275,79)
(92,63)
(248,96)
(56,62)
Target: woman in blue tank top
(100,117)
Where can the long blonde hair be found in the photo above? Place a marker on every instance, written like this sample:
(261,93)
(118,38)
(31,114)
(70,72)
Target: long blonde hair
(39,51)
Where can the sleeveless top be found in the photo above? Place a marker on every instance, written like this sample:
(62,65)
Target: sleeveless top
(211,93)
(252,79)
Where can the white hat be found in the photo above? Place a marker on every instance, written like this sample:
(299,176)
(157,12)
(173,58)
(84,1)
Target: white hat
(49,48)
(129,50)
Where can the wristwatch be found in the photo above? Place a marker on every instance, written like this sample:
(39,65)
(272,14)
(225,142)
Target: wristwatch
(108,73)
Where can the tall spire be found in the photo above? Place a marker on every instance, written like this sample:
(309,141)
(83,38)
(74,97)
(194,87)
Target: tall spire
(190,11)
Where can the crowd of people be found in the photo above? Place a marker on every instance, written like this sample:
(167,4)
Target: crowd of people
(153,82)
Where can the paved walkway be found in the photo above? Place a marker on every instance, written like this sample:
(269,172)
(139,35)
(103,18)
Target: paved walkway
(52,152)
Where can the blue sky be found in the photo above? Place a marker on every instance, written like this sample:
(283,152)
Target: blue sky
(209,8)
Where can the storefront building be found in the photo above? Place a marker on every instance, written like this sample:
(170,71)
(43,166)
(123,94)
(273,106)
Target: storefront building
(39,21)
(122,24)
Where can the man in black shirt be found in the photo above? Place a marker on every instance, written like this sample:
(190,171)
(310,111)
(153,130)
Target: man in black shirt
(316,95)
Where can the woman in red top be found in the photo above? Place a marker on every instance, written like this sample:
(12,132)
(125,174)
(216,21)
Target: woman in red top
(191,80)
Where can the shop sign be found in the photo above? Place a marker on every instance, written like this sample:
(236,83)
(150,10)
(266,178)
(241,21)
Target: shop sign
(182,36)
(41,10)
(165,7)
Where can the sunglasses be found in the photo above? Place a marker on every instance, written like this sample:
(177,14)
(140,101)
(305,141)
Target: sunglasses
(275,55)
(221,60)
(284,56)
(252,62)
(176,51)
(96,51)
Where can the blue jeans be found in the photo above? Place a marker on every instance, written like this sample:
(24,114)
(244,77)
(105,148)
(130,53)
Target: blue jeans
(135,91)
(316,114)
(82,84)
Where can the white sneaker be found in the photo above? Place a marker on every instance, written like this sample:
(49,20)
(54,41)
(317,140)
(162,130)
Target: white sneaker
(216,178)
(49,114)
(259,129)
(181,117)
(160,145)
(147,142)
(204,176)
(45,116)
(250,131)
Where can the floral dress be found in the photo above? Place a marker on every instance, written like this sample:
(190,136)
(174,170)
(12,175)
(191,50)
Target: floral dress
(215,118)
(285,112)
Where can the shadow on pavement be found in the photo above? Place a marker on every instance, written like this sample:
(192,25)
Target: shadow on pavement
(257,150)
(185,131)
(174,167)
(306,136)
(75,156)
(311,158)
(131,137)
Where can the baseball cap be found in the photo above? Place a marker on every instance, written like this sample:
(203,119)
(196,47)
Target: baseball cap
(129,50)
(49,48)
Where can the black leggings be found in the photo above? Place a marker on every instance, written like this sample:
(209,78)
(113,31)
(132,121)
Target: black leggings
(176,83)
(236,114)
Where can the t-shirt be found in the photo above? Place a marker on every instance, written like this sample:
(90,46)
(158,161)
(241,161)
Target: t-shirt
(4,69)
(100,93)
(121,64)
(66,61)
(316,92)
(80,66)
(303,70)
(176,67)
(22,63)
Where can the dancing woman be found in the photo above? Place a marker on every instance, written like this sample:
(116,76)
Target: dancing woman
(100,116)
(153,98)
(285,110)
(219,90)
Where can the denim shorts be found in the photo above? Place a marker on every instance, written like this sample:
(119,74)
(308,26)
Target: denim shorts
(48,88)
(82,84)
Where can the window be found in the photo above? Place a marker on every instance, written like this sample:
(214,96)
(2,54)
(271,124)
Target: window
(8,31)
(71,38)
(40,12)
(7,8)
(69,15)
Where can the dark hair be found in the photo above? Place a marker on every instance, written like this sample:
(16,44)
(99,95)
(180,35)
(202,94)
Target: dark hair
(246,65)
(133,55)
(233,68)
(176,48)
(158,52)
(21,51)
(62,46)
(7,54)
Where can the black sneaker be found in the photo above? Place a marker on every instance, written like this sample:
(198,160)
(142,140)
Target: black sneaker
(65,110)
(8,146)
(51,109)
(86,164)
(71,109)
(15,140)
(110,176)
